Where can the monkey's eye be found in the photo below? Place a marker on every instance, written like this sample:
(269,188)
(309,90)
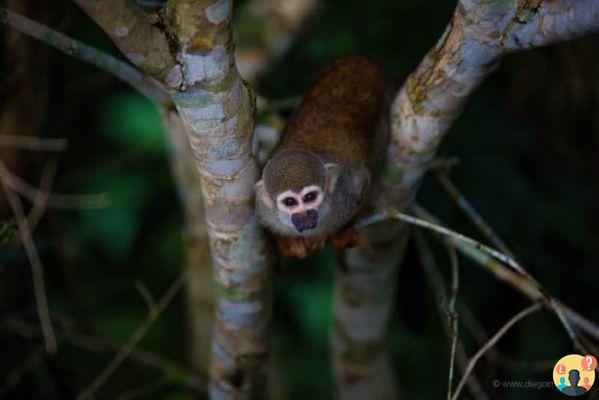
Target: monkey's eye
(310,197)
(290,201)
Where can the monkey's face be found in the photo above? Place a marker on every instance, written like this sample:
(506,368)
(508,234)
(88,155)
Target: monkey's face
(293,197)
(300,209)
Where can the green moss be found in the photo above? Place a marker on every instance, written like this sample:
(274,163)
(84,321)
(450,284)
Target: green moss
(7,231)
(392,174)
(230,292)
(195,99)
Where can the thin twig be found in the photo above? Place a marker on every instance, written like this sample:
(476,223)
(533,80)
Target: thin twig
(66,333)
(41,200)
(525,282)
(145,293)
(452,313)
(500,333)
(33,143)
(435,277)
(468,209)
(37,270)
(453,235)
(57,200)
(458,237)
(135,338)
(72,47)
(481,335)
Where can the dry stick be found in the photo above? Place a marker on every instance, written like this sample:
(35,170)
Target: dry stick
(464,205)
(37,269)
(434,275)
(476,219)
(521,315)
(41,200)
(57,200)
(524,286)
(481,335)
(529,286)
(145,293)
(458,237)
(583,323)
(135,338)
(33,143)
(479,222)
(452,314)
(72,47)
(97,344)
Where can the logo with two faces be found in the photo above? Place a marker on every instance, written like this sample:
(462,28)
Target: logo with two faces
(574,375)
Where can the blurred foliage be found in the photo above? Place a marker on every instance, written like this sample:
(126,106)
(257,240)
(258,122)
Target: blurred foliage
(539,200)
(8,230)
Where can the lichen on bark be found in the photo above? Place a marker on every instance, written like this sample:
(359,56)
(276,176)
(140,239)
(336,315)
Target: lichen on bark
(218,109)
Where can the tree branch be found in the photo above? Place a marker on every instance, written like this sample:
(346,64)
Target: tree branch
(33,143)
(521,283)
(479,35)
(439,288)
(135,338)
(131,31)
(37,269)
(70,46)
(364,295)
(56,200)
(218,109)
(500,333)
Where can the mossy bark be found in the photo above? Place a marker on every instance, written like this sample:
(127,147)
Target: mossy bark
(217,108)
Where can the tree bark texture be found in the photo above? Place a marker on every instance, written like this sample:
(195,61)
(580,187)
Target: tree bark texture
(192,54)
(218,110)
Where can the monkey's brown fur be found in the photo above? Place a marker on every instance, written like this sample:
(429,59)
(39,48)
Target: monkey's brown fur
(339,115)
(342,121)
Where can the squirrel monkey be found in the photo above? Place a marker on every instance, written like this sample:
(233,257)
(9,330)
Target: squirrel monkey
(320,174)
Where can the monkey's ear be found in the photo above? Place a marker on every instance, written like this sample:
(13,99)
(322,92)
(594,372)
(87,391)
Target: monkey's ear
(263,195)
(333,172)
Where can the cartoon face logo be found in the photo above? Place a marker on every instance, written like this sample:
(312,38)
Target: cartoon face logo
(574,375)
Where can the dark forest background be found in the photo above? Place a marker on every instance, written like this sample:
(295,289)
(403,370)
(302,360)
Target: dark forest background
(527,144)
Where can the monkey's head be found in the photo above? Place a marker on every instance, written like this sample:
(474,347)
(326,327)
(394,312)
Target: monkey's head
(293,197)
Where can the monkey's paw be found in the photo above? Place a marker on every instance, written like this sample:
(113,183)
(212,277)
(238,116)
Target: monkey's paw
(298,247)
(345,238)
